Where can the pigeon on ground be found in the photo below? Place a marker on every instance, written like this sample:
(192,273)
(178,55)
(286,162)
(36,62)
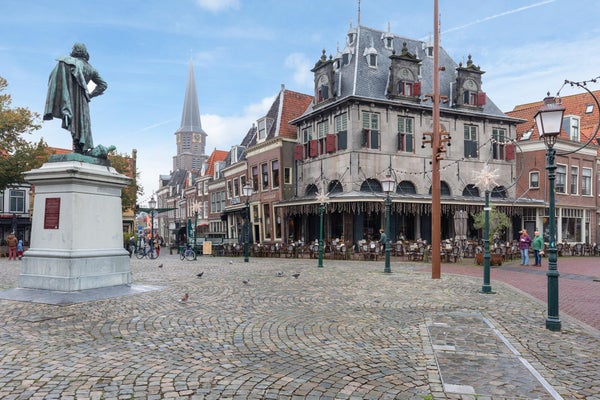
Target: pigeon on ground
(200,274)
(246,281)
(279,274)
(296,275)
(185,298)
(160,266)
(230,261)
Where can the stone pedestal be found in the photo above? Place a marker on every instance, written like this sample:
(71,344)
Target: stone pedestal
(77,228)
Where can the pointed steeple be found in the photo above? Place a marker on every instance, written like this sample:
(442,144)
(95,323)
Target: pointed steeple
(190,118)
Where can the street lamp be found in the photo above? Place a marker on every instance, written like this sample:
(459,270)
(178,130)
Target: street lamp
(322,199)
(486,179)
(247,191)
(549,122)
(389,186)
(195,208)
(152,205)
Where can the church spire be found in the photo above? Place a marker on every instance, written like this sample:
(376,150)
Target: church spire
(190,118)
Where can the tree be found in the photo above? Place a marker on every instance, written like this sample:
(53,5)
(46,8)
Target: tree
(17,155)
(125,165)
(498,223)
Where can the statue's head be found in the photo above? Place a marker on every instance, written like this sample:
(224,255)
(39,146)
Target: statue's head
(80,51)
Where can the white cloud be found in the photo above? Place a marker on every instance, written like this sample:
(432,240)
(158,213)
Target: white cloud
(301,67)
(218,5)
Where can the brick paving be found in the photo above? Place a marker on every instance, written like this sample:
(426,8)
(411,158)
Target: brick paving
(345,331)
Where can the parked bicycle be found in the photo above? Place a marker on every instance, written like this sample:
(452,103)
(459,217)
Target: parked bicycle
(146,250)
(188,253)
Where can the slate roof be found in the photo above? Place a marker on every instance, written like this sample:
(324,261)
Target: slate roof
(190,117)
(575,105)
(357,78)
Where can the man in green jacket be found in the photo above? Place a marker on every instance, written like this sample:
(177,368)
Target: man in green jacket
(538,248)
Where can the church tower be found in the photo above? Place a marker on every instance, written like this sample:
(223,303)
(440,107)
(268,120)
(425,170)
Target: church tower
(190,137)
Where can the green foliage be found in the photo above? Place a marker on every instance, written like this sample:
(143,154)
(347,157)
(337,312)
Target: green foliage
(499,222)
(125,165)
(17,155)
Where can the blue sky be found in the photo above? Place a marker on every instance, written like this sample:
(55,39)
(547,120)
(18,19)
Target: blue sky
(243,50)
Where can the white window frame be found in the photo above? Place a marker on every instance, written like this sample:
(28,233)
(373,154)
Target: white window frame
(19,197)
(531,174)
(556,179)
(261,129)
(574,180)
(587,178)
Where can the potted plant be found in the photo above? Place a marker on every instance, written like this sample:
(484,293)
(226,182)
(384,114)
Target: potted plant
(499,222)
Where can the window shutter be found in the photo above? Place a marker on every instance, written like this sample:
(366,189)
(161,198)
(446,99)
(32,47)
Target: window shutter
(417,89)
(481,98)
(298,150)
(374,139)
(313,148)
(509,151)
(409,143)
(330,143)
(342,140)
(324,92)
(400,87)
(365,137)
(400,146)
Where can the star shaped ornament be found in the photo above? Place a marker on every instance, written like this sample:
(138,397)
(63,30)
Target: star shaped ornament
(486,178)
(322,197)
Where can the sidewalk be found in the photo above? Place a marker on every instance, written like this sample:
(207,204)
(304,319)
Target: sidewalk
(344,331)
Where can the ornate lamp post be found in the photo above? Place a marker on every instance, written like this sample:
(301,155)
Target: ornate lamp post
(487,181)
(549,121)
(389,186)
(322,199)
(195,208)
(247,192)
(152,205)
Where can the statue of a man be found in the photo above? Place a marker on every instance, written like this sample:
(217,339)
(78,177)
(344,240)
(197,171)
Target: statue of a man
(68,96)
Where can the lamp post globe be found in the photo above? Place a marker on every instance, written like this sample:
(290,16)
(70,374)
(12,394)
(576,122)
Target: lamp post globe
(247,192)
(389,185)
(549,121)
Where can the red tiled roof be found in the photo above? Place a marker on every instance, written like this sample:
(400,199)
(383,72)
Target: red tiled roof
(217,155)
(294,105)
(575,105)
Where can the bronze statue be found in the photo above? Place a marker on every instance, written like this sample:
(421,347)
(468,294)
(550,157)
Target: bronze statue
(68,96)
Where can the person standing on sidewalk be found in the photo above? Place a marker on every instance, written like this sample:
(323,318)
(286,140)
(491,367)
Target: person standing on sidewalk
(524,243)
(538,248)
(11,242)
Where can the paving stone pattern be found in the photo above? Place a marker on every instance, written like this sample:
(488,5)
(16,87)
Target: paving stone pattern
(345,331)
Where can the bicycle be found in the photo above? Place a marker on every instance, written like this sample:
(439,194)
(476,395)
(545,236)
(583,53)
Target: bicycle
(146,251)
(188,253)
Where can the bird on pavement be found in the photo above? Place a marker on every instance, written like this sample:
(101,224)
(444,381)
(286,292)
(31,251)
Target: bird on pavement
(296,275)
(200,274)
(230,261)
(279,274)
(160,266)
(185,298)
(246,281)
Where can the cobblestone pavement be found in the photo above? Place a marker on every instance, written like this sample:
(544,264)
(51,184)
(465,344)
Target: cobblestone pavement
(345,331)
(579,283)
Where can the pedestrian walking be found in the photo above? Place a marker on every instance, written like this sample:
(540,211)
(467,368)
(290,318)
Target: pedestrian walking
(524,244)
(11,242)
(20,249)
(538,248)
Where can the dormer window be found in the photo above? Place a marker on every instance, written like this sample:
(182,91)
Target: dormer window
(322,89)
(351,35)
(388,39)
(571,126)
(371,55)
(262,129)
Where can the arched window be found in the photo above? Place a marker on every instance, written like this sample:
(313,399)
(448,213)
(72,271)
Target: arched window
(335,186)
(499,192)
(471,191)
(444,189)
(312,190)
(371,186)
(406,187)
